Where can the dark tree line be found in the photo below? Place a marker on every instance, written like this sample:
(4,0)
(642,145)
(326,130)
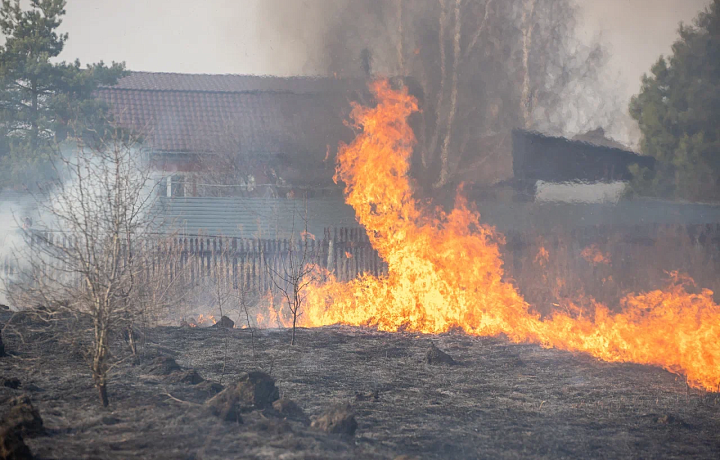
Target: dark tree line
(678,110)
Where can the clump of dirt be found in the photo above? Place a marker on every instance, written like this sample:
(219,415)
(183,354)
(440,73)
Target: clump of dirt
(23,417)
(10,382)
(371,396)
(225,322)
(257,390)
(274,426)
(289,409)
(207,389)
(12,445)
(163,365)
(254,390)
(339,419)
(189,376)
(226,405)
(436,356)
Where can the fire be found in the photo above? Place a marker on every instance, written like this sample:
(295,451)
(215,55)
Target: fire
(203,321)
(273,316)
(542,257)
(595,256)
(445,271)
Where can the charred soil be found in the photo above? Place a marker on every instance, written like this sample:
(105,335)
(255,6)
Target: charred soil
(499,400)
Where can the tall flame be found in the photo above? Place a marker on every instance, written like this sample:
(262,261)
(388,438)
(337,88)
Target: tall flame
(445,271)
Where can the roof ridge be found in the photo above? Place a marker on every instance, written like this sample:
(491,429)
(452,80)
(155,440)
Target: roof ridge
(536,133)
(211,91)
(239,75)
(233,83)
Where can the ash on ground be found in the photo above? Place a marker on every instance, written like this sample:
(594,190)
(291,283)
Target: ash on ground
(499,400)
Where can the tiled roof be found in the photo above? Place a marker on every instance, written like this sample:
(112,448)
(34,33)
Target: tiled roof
(204,113)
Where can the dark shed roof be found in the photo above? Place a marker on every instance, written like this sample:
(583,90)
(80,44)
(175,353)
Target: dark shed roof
(557,159)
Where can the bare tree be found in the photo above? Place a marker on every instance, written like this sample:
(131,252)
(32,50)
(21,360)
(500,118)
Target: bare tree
(91,259)
(296,272)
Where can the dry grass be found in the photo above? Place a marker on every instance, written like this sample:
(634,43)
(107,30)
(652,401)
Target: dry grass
(606,266)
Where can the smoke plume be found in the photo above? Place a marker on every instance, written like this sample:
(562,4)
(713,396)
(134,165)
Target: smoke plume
(481,68)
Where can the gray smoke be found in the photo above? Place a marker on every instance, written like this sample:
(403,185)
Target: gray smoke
(481,68)
(18,210)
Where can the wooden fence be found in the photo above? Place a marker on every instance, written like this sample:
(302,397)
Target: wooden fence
(345,252)
(250,263)
(246,263)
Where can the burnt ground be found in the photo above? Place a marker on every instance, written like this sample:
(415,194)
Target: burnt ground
(500,400)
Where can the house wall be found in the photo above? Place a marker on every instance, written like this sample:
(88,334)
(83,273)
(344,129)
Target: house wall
(578,192)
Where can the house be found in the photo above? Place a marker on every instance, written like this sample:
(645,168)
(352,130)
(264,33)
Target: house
(236,153)
(252,156)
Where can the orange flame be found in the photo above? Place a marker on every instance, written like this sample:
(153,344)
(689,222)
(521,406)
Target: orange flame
(274,316)
(203,320)
(445,271)
(595,256)
(542,257)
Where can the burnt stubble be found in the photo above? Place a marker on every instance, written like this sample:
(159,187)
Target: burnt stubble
(500,400)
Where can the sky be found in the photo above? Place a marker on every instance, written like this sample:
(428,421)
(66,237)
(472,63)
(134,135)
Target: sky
(637,32)
(224,36)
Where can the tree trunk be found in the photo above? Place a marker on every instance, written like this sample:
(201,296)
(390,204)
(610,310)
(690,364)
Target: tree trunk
(34,134)
(292,341)
(400,50)
(431,150)
(131,340)
(445,152)
(102,390)
(527,24)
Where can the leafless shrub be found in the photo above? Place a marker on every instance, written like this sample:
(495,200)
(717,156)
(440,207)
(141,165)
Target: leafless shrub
(98,256)
(296,271)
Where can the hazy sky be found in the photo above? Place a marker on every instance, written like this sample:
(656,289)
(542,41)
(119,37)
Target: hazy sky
(223,36)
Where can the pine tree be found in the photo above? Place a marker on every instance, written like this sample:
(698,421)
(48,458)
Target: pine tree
(678,110)
(41,100)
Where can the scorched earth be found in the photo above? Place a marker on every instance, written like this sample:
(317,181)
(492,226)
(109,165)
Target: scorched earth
(499,399)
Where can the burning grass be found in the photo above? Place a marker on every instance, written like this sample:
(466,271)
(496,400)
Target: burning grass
(446,271)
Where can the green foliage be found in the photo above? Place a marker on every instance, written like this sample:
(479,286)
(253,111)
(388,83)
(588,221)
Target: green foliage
(42,102)
(678,110)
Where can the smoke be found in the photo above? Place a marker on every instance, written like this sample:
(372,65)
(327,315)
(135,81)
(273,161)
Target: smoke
(480,68)
(16,212)
(90,189)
